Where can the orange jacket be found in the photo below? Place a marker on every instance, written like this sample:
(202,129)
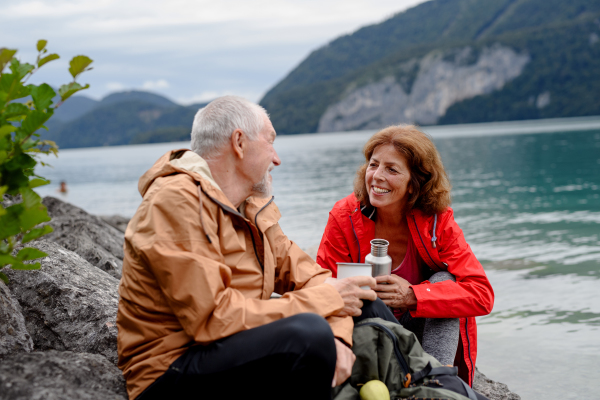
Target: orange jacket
(197,270)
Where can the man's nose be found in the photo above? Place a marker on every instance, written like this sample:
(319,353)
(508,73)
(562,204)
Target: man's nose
(276,160)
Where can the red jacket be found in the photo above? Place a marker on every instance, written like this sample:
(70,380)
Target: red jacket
(347,239)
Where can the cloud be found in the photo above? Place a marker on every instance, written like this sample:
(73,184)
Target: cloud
(188,50)
(115,86)
(158,84)
(208,95)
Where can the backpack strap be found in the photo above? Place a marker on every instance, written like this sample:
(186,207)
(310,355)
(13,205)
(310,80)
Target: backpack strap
(430,371)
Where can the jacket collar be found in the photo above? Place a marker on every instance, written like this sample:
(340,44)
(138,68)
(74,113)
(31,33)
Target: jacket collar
(184,161)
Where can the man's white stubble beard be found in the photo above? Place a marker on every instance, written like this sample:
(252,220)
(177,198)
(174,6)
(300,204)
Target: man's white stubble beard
(264,188)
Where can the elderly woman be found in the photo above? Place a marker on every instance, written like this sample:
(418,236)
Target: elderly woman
(437,286)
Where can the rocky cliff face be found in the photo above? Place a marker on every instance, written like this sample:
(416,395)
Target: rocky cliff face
(424,89)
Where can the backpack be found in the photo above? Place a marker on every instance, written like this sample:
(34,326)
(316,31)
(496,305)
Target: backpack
(392,354)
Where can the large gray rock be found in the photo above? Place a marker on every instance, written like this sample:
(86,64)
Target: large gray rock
(13,333)
(68,304)
(116,221)
(55,375)
(491,389)
(87,235)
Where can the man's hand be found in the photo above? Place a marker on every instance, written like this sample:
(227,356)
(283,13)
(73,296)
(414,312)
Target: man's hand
(343,364)
(395,292)
(352,294)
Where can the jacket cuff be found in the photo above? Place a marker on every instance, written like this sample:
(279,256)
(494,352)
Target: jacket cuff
(342,328)
(421,294)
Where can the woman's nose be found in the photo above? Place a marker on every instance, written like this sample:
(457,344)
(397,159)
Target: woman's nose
(378,175)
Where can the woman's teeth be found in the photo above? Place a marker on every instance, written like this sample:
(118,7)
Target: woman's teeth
(379,190)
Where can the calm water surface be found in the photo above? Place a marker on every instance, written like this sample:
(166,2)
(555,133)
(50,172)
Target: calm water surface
(526,194)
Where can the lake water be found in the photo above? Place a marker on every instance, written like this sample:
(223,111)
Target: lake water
(526,194)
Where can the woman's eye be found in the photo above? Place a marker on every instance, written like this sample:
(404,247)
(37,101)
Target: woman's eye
(392,170)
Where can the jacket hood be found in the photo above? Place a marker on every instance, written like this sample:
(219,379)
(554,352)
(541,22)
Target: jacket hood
(185,161)
(174,162)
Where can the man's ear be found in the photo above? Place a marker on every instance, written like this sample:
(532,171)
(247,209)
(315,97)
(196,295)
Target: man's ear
(238,143)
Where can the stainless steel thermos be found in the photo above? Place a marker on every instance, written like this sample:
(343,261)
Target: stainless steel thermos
(381,263)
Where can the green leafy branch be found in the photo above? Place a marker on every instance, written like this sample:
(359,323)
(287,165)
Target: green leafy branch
(24,109)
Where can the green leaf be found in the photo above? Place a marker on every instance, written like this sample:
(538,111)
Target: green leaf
(52,148)
(79,64)
(34,121)
(6,259)
(16,110)
(9,222)
(42,95)
(30,253)
(67,91)
(47,59)
(20,69)
(19,163)
(41,44)
(30,198)
(33,216)
(12,87)
(6,129)
(25,267)
(5,56)
(36,233)
(36,182)
(15,180)
(4,277)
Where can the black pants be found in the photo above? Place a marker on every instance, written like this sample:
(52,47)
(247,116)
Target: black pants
(375,309)
(293,358)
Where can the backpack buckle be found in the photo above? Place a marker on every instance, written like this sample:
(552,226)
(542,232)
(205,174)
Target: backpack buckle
(407,379)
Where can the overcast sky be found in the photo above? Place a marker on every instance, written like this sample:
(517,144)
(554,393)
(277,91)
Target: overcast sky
(189,51)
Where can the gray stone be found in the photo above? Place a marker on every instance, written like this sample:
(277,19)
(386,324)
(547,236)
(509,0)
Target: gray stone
(491,389)
(87,235)
(54,375)
(13,332)
(116,221)
(68,304)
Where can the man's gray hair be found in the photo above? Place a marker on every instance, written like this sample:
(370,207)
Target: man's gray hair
(214,124)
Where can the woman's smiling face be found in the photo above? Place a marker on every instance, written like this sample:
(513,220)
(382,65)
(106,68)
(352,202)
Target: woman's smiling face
(387,178)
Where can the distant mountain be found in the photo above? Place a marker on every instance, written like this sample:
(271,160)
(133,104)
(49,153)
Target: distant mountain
(74,108)
(449,61)
(120,118)
(136,95)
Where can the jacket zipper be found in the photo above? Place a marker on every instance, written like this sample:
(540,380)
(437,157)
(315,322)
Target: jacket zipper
(423,243)
(252,234)
(391,335)
(472,377)
(356,236)
(235,212)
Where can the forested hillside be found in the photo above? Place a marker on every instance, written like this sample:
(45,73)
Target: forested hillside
(122,118)
(557,44)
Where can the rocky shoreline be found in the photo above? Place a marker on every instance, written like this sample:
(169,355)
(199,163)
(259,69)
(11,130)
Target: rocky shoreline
(58,334)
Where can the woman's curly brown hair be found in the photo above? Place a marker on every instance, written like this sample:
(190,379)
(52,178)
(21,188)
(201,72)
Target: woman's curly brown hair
(428,179)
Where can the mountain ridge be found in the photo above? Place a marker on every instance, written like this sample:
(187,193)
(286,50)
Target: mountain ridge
(301,99)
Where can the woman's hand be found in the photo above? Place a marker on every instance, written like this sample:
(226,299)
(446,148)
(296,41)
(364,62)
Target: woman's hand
(395,292)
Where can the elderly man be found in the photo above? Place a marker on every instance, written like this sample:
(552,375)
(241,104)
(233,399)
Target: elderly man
(203,254)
